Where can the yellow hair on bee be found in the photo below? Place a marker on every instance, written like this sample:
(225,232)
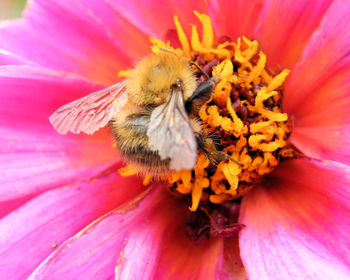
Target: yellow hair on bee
(151,80)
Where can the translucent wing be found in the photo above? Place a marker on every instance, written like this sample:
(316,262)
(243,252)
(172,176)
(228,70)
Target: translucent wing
(91,112)
(170,133)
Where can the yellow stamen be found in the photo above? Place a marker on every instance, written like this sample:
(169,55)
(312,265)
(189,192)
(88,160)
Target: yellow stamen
(147,180)
(124,74)
(237,122)
(182,37)
(278,80)
(195,42)
(256,71)
(208,33)
(128,170)
(231,171)
(158,44)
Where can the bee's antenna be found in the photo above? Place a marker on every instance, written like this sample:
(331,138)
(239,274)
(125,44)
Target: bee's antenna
(167,50)
(235,161)
(200,69)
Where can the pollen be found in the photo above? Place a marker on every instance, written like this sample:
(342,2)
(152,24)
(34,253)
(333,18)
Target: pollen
(244,113)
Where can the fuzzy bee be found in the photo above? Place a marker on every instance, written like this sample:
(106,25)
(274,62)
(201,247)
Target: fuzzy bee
(153,115)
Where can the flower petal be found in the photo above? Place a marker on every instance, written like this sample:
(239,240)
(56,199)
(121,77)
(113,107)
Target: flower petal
(327,54)
(141,252)
(93,252)
(332,143)
(182,259)
(296,21)
(159,249)
(33,157)
(8,58)
(320,104)
(232,267)
(297,226)
(142,14)
(328,105)
(234,17)
(321,127)
(55,216)
(127,36)
(65,36)
(145,240)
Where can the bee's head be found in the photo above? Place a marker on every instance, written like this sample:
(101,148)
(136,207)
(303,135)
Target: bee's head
(153,78)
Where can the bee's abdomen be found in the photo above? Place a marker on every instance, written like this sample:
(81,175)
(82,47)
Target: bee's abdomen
(132,143)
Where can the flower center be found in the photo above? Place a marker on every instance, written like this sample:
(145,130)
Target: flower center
(244,116)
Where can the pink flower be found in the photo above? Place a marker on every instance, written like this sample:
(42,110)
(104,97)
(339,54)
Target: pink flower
(61,197)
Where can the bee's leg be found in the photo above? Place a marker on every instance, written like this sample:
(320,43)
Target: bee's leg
(200,95)
(207,145)
(204,90)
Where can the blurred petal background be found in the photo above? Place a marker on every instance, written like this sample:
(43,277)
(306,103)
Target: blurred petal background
(11,8)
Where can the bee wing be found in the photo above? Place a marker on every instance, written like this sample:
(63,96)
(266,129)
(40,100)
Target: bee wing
(91,112)
(170,133)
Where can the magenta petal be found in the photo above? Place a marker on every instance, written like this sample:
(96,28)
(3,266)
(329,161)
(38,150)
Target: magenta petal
(331,99)
(320,104)
(232,267)
(34,231)
(296,21)
(159,249)
(34,157)
(326,53)
(298,225)
(157,17)
(127,36)
(140,255)
(321,127)
(65,36)
(332,143)
(9,58)
(182,259)
(142,249)
(235,18)
(93,253)
(142,240)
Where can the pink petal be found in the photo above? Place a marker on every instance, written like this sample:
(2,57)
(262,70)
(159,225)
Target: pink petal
(321,126)
(297,225)
(8,58)
(93,253)
(157,17)
(320,103)
(328,105)
(232,267)
(159,249)
(332,143)
(127,36)
(33,232)
(140,254)
(235,17)
(65,36)
(296,21)
(143,240)
(34,158)
(327,54)
(182,259)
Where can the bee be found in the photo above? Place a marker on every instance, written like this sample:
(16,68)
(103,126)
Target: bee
(153,115)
